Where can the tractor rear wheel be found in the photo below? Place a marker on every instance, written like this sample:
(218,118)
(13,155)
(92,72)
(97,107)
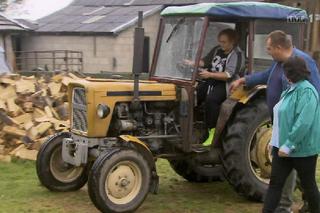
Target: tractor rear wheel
(246,158)
(194,171)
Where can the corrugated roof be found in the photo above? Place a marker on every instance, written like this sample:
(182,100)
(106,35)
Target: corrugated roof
(7,24)
(141,2)
(104,16)
(94,19)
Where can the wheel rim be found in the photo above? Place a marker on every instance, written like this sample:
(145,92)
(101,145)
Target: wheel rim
(123,182)
(258,153)
(62,171)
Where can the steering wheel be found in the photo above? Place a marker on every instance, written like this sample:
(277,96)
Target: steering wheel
(184,68)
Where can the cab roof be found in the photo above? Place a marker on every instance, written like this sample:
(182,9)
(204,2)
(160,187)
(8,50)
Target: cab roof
(238,10)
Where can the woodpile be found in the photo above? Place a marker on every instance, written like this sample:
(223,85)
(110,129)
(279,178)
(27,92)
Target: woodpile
(31,109)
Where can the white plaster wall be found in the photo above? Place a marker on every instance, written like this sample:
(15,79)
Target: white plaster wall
(100,53)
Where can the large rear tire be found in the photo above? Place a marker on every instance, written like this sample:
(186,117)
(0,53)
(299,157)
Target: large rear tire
(119,180)
(245,155)
(53,172)
(194,171)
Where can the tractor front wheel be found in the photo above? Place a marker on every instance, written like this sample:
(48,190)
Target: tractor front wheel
(53,172)
(119,180)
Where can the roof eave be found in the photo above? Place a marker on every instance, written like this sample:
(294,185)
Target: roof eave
(134,21)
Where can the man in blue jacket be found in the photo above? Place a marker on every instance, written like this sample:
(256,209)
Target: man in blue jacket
(279,46)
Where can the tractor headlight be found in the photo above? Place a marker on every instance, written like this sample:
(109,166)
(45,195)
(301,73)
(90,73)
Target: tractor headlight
(103,110)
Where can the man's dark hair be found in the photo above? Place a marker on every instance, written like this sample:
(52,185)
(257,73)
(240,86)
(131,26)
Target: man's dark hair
(295,69)
(230,33)
(280,38)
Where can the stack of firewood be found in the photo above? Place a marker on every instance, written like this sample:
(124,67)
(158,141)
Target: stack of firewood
(31,109)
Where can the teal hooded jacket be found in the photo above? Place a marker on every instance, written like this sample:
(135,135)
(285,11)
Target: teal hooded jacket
(299,120)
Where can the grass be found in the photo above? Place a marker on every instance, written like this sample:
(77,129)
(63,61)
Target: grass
(20,192)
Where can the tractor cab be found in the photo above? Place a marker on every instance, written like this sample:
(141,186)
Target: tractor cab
(190,33)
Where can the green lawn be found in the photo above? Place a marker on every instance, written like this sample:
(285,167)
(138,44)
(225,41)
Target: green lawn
(21,192)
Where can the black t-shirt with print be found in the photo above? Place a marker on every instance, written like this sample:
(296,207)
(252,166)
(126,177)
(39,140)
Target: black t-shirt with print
(215,61)
(218,63)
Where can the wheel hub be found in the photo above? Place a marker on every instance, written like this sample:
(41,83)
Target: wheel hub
(263,154)
(62,171)
(260,156)
(123,182)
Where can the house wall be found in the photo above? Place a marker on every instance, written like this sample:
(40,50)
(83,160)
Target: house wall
(100,53)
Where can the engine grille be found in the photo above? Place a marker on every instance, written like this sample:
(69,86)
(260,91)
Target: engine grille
(79,109)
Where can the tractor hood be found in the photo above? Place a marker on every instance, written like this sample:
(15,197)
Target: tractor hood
(112,87)
(94,92)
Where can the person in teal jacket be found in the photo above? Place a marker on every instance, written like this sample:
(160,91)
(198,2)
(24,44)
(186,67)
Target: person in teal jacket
(295,136)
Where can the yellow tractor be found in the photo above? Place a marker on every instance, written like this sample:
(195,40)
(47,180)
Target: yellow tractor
(120,127)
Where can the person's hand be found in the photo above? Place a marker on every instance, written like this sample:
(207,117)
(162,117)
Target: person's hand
(236,84)
(204,74)
(282,154)
(188,62)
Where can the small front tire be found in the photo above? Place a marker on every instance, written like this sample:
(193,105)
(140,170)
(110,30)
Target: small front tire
(119,180)
(53,172)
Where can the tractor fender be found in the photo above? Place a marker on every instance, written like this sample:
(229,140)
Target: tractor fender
(146,152)
(240,96)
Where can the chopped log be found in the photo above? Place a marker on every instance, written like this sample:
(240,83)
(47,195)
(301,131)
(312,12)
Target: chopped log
(50,132)
(2,149)
(6,80)
(8,92)
(24,118)
(73,76)
(16,141)
(13,109)
(13,152)
(66,81)
(61,125)
(37,94)
(57,78)
(54,88)
(33,133)
(3,105)
(38,113)
(32,108)
(25,87)
(27,141)
(14,131)
(43,127)
(48,112)
(39,102)
(31,77)
(43,119)
(42,140)
(26,154)
(27,107)
(63,111)
(35,146)
(5,158)
(28,125)
(7,120)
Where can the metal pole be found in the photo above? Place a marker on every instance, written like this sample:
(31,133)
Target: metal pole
(137,57)
(315,30)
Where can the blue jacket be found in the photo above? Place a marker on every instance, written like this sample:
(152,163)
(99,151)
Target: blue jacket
(299,120)
(264,76)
